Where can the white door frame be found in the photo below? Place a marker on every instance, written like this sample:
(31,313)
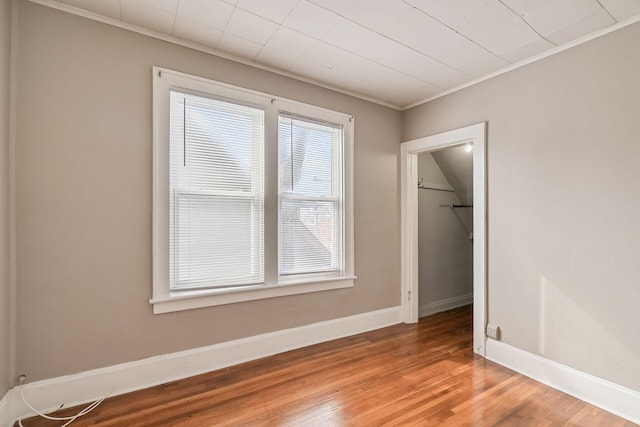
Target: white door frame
(476,135)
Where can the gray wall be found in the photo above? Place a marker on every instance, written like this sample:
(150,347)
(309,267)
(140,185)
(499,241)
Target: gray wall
(445,253)
(5,342)
(84,201)
(563,201)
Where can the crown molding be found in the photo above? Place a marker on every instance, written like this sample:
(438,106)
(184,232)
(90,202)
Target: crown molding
(191,45)
(211,51)
(536,58)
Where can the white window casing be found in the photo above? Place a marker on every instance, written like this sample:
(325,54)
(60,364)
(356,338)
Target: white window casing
(252,195)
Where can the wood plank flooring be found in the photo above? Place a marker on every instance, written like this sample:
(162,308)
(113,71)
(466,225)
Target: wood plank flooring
(405,375)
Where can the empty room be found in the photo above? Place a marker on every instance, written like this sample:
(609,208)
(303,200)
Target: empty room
(319,212)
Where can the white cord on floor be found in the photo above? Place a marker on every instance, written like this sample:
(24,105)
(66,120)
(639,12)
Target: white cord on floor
(68,420)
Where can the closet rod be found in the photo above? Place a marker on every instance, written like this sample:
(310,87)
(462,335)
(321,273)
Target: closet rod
(453,205)
(422,187)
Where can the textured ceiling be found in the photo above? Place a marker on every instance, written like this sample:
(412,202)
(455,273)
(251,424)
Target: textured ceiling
(398,52)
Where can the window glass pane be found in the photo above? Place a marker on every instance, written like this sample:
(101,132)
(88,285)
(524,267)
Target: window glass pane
(310,215)
(309,237)
(216,204)
(220,138)
(307,156)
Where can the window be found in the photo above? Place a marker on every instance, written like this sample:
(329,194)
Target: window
(252,195)
(310,214)
(215,193)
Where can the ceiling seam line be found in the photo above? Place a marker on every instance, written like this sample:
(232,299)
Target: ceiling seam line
(281,25)
(388,38)
(226,24)
(175,18)
(262,45)
(526,22)
(382,65)
(456,31)
(607,10)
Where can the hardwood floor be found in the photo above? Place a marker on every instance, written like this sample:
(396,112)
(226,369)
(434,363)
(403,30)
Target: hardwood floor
(404,375)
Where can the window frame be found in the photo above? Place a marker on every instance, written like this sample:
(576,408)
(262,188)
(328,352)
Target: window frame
(256,195)
(163,299)
(338,197)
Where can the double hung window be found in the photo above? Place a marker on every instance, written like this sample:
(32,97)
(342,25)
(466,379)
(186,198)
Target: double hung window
(310,212)
(252,195)
(216,193)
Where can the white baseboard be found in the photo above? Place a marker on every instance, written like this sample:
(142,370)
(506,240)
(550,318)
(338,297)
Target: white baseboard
(6,417)
(444,305)
(86,386)
(611,397)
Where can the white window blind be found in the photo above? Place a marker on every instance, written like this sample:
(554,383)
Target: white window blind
(216,193)
(311,196)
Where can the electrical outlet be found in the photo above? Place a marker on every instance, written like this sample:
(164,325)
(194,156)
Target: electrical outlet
(493,331)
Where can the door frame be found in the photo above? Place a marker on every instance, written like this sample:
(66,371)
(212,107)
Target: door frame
(476,135)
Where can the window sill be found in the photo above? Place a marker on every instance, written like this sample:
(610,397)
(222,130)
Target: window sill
(179,301)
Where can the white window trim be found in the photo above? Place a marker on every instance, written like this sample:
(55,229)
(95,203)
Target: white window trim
(164,300)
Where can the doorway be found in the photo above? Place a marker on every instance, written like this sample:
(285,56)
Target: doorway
(475,136)
(445,229)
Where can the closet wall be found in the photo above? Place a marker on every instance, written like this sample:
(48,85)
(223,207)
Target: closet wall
(445,251)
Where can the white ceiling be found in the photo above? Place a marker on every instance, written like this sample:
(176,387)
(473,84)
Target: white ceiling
(398,52)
